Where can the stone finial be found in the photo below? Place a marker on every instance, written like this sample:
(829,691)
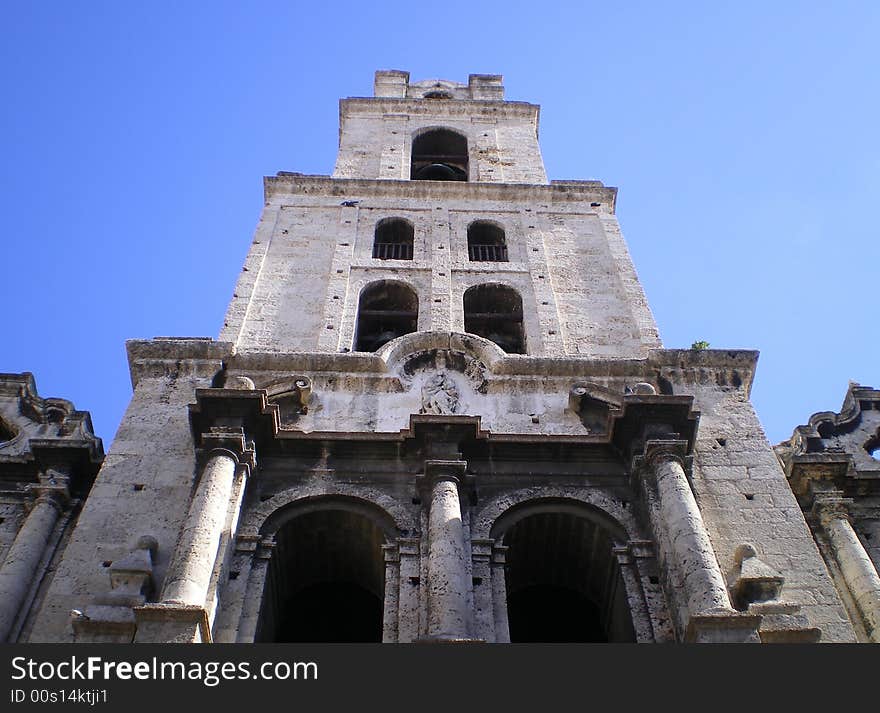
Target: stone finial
(131,578)
(486,87)
(390,83)
(752,580)
(131,584)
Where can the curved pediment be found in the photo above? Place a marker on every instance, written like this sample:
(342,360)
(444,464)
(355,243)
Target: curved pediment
(401,350)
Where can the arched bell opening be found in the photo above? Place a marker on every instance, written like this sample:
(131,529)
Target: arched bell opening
(495,312)
(393,239)
(486,242)
(386,310)
(563,580)
(326,580)
(439,155)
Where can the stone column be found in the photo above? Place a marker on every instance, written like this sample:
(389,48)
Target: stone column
(256,585)
(392,593)
(408,590)
(499,595)
(855,564)
(449,617)
(189,574)
(181,614)
(680,520)
(635,595)
(703,612)
(484,610)
(645,560)
(28,548)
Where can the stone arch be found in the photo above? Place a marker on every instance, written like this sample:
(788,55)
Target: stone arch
(494,310)
(537,506)
(344,503)
(487,241)
(387,309)
(386,510)
(603,506)
(396,352)
(393,239)
(325,580)
(563,577)
(439,153)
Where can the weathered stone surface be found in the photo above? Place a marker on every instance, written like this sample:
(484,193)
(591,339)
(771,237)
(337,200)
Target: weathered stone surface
(507,483)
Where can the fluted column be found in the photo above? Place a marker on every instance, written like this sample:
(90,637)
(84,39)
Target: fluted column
(189,574)
(449,616)
(855,564)
(23,557)
(679,518)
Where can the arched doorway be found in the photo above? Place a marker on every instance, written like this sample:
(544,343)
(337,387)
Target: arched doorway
(562,577)
(326,580)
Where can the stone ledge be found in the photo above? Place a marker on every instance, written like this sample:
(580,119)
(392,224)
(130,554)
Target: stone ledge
(438,191)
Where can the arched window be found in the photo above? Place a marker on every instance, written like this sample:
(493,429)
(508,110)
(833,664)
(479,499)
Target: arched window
(495,312)
(386,310)
(393,240)
(439,155)
(486,242)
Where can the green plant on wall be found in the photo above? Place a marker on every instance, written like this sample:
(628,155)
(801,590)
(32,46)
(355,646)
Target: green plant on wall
(699,346)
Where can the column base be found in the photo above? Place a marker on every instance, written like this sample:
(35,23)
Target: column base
(447,639)
(165,623)
(105,625)
(723,628)
(784,623)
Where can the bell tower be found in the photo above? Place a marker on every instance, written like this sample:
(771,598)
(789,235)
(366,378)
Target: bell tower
(439,218)
(439,410)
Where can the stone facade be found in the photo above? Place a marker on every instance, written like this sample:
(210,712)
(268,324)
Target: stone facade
(833,465)
(49,457)
(439,410)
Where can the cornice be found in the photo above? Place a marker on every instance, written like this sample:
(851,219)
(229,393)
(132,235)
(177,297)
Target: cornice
(418,106)
(560,192)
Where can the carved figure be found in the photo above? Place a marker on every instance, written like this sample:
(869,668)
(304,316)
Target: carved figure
(439,394)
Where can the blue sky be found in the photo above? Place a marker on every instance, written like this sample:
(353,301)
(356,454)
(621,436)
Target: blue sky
(743,138)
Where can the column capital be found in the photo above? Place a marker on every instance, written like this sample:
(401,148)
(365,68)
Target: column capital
(454,471)
(58,496)
(623,554)
(641,549)
(226,440)
(830,505)
(481,550)
(265,548)
(391,553)
(662,451)
(408,546)
(499,554)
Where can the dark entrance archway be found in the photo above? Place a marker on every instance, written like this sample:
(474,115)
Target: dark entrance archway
(562,578)
(326,580)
